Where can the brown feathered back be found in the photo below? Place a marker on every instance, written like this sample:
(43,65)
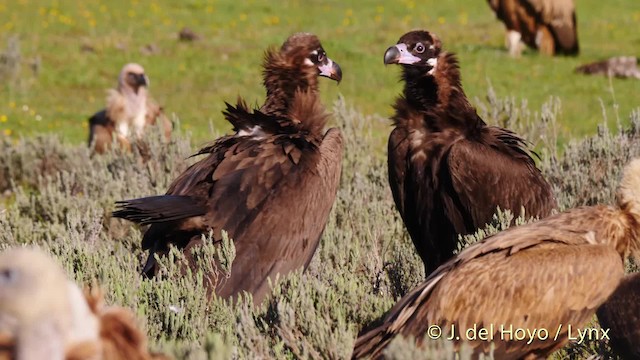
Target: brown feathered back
(536,276)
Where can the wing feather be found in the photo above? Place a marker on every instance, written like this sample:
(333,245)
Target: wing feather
(532,276)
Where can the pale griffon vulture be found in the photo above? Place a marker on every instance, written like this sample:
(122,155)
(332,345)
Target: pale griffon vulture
(43,315)
(549,275)
(130,110)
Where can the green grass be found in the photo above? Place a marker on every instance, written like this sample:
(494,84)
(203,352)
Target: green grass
(193,80)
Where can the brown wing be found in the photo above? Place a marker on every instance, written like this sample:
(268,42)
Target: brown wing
(560,17)
(272,195)
(397,166)
(496,172)
(621,315)
(538,275)
(281,232)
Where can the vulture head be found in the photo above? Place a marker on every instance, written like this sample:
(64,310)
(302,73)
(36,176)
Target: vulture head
(40,308)
(304,50)
(296,66)
(132,78)
(417,51)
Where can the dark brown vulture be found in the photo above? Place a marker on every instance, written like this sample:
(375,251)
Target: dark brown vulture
(547,25)
(270,185)
(448,170)
(549,274)
(43,315)
(621,315)
(129,111)
(620,67)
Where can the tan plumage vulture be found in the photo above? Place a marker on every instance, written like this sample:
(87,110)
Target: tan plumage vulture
(547,25)
(43,315)
(130,110)
(620,67)
(621,315)
(449,170)
(545,275)
(270,185)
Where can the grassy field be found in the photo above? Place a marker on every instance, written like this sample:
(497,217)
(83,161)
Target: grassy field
(78,48)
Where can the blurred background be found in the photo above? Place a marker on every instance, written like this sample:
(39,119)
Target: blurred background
(57,58)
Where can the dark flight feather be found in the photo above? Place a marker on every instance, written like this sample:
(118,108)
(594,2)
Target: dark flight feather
(621,316)
(158,209)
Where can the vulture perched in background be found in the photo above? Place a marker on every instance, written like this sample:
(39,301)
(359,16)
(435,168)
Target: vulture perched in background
(448,170)
(620,67)
(129,111)
(621,314)
(43,315)
(547,25)
(550,274)
(270,185)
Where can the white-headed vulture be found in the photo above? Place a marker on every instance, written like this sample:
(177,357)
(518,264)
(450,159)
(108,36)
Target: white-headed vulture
(547,25)
(43,315)
(448,170)
(619,66)
(552,274)
(129,111)
(271,185)
(621,316)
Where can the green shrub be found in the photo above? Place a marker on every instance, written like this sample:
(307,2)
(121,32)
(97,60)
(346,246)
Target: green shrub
(60,197)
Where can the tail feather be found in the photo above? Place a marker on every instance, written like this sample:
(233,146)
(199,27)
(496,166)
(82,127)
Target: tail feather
(159,209)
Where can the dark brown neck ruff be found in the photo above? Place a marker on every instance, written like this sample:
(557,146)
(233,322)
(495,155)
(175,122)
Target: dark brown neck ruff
(284,74)
(440,94)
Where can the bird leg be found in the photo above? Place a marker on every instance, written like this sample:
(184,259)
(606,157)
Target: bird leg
(544,41)
(514,43)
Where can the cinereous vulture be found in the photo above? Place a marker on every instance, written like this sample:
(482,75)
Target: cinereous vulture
(448,170)
(270,185)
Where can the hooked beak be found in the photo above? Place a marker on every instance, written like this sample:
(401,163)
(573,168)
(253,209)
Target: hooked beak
(398,54)
(331,70)
(141,80)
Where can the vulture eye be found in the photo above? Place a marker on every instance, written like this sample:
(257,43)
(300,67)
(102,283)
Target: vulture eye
(8,276)
(320,56)
(419,48)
